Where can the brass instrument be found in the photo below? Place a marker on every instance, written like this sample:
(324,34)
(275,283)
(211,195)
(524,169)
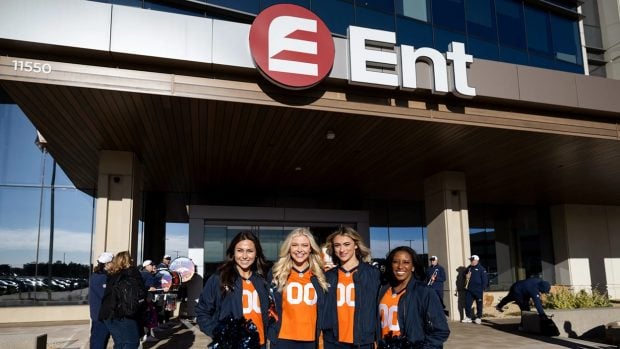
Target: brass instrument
(432,279)
(467,277)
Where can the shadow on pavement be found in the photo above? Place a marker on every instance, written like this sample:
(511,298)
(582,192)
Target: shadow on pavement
(512,327)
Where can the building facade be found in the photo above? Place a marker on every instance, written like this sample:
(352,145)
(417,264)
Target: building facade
(454,127)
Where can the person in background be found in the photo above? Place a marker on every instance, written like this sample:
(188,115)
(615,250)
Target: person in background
(522,291)
(435,277)
(125,330)
(165,262)
(408,307)
(476,281)
(299,286)
(350,311)
(99,334)
(151,283)
(238,289)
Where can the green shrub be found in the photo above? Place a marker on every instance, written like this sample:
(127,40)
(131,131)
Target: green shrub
(564,298)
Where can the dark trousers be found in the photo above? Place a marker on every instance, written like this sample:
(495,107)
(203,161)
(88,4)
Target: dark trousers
(340,345)
(290,344)
(440,295)
(511,297)
(99,335)
(469,300)
(125,333)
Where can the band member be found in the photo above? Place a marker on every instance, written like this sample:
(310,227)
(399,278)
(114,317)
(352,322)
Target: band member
(351,304)
(476,281)
(237,289)
(522,291)
(299,287)
(408,307)
(99,333)
(435,277)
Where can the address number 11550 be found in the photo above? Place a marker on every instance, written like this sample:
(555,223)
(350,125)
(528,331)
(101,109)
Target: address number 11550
(35,67)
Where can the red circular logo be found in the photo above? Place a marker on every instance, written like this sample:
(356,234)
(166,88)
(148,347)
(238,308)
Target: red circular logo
(291,46)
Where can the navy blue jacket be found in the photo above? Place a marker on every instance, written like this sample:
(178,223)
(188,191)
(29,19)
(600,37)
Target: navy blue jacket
(527,289)
(367,283)
(213,307)
(274,327)
(439,279)
(150,279)
(420,316)
(478,279)
(96,289)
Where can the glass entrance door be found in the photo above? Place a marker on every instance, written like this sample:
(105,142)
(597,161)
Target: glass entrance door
(217,236)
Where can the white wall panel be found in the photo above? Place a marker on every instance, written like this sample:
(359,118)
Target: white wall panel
(161,34)
(72,23)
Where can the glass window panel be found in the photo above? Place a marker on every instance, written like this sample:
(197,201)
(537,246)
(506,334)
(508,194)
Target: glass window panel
(510,23)
(537,28)
(250,6)
(20,159)
(266,3)
(418,9)
(449,14)
(443,38)
(414,33)
(511,55)
(19,225)
(379,242)
(380,5)
(482,49)
(215,244)
(566,41)
(374,19)
(271,239)
(177,239)
(134,3)
(481,19)
(542,61)
(336,14)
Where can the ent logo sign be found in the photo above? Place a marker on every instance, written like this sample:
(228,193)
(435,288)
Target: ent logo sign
(293,48)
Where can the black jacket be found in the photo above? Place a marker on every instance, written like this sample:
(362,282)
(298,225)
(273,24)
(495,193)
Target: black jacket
(274,327)
(420,316)
(108,304)
(367,282)
(213,307)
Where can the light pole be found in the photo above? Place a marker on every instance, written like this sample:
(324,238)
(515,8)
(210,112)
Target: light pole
(410,240)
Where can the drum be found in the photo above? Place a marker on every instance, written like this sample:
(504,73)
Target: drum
(185,267)
(170,280)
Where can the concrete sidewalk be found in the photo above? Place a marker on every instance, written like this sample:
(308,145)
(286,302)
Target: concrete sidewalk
(493,334)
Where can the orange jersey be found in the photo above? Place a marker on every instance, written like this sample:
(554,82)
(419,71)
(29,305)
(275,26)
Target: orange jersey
(388,309)
(299,309)
(345,304)
(251,308)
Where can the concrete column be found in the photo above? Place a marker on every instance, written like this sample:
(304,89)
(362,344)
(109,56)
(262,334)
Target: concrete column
(154,226)
(118,202)
(448,228)
(609,14)
(587,247)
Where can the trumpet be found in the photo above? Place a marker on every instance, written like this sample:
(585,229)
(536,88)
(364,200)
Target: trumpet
(432,279)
